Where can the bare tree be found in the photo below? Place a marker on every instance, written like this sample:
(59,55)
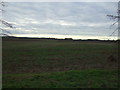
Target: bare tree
(116,18)
(4,22)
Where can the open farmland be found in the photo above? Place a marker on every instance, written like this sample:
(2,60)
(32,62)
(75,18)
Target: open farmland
(29,63)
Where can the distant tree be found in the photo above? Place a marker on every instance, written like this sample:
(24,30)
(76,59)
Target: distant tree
(68,39)
(4,32)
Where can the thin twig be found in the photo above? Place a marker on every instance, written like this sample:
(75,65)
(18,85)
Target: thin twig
(113,24)
(114,31)
(5,31)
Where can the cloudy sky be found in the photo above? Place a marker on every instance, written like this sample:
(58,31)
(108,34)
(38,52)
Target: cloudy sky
(61,18)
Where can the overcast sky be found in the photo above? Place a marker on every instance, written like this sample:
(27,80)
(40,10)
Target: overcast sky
(70,18)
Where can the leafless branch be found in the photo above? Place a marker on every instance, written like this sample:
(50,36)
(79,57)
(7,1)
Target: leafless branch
(2,10)
(113,17)
(4,34)
(5,30)
(2,3)
(113,24)
(6,23)
(114,31)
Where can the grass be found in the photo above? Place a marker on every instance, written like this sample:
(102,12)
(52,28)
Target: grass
(66,79)
(55,63)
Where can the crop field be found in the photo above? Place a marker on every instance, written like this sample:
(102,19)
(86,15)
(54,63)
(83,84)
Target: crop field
(44,63)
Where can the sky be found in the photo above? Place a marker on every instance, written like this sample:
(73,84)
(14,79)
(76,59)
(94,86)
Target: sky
(61,19)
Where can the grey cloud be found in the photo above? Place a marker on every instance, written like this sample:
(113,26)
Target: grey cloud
(61,18)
